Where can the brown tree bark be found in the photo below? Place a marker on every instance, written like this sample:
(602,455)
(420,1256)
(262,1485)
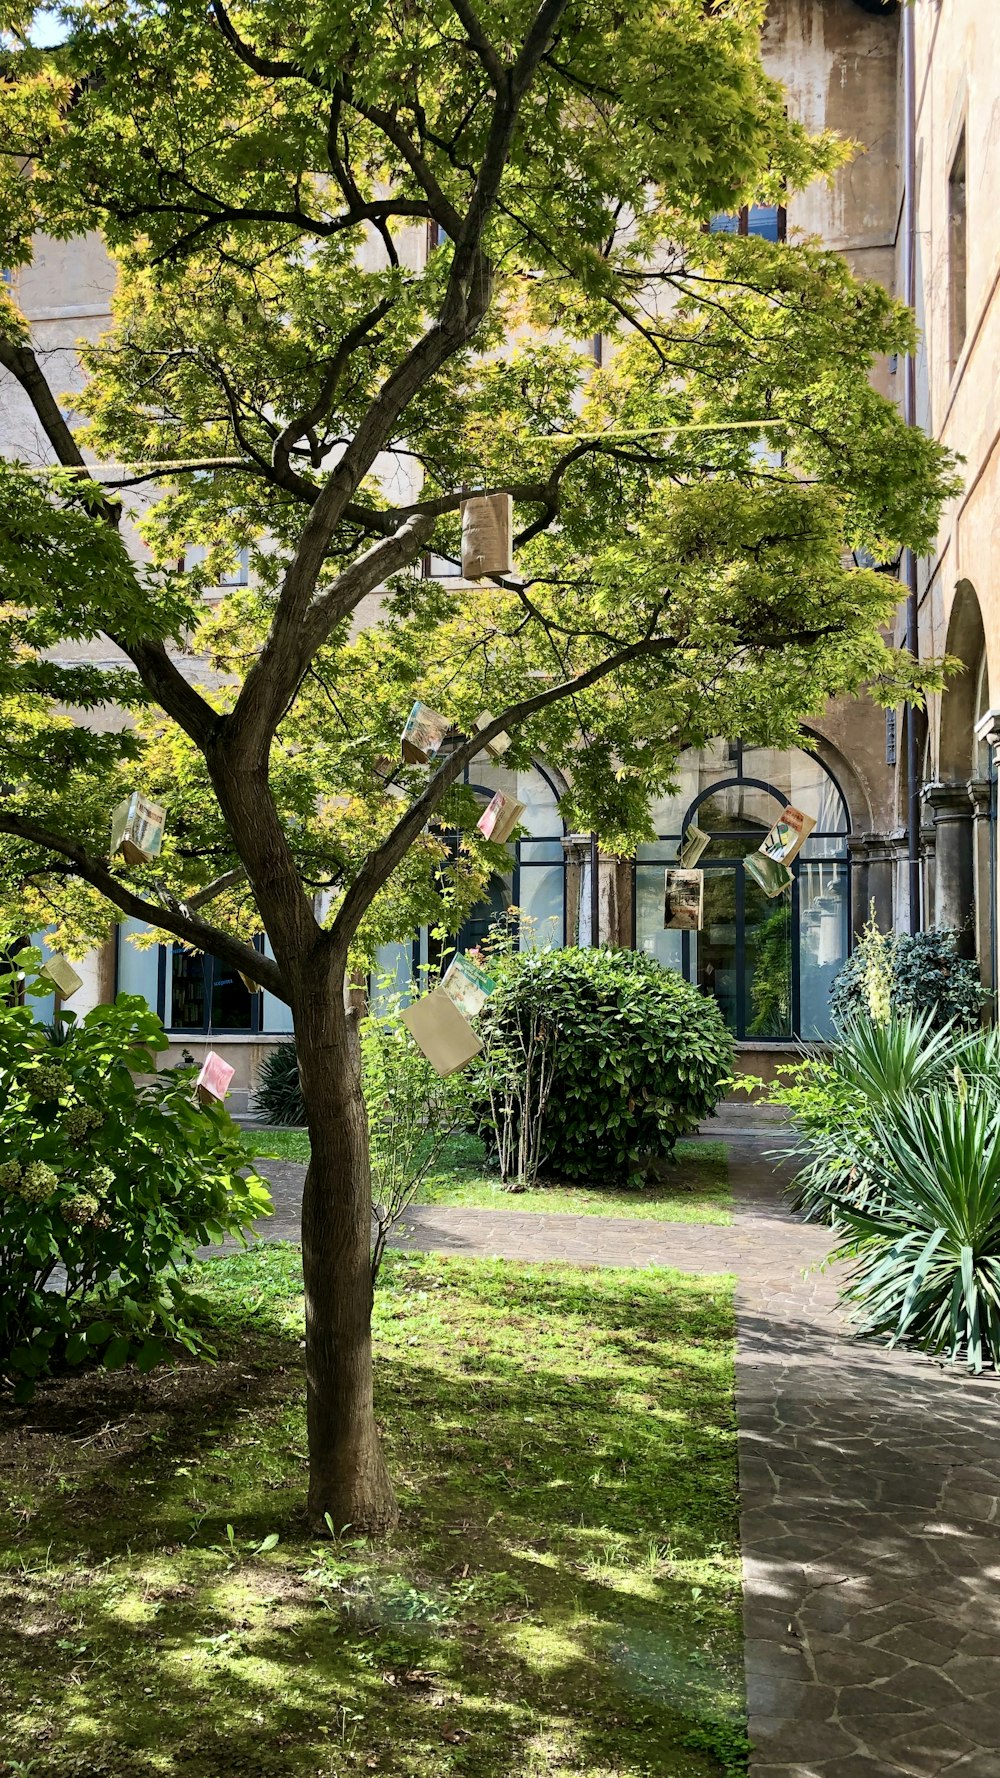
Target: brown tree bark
(348,1482)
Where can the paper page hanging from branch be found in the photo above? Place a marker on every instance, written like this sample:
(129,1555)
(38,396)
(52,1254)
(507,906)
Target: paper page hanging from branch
(137,829)
(693,845)
(500,743)
(500,817)
(467,985)
(487,535)
(683,900)
(441,1033)
(214,1079)
(58,970)
(423,734)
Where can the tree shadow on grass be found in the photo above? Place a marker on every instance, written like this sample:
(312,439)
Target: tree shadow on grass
(534,1613)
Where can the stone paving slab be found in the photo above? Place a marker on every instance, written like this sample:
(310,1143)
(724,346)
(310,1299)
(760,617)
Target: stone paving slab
(869,1486)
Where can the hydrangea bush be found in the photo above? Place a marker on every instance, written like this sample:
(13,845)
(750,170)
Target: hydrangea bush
(108,1183)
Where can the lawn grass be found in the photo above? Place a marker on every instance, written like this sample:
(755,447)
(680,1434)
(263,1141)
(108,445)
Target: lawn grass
(561,1597)
(694,1187)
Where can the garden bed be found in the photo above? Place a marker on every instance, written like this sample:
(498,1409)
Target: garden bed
(562,1596)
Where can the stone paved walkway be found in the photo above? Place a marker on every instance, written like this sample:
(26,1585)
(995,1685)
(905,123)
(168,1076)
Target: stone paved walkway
(869,1483)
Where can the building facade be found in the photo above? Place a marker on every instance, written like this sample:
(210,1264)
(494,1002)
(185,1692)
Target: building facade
(918,89)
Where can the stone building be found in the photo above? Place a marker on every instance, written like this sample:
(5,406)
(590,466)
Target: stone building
(918,87)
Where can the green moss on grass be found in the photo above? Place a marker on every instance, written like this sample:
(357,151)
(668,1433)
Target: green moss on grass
(561,1597)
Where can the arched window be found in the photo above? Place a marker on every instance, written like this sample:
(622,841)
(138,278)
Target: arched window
(769,964)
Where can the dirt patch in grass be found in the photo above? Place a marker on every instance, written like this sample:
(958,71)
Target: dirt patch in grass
(561,1597)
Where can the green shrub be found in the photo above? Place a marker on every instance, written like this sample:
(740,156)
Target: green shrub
(107,1185)
(833,1101)
(926,1264)
(639,1056)
(896,974)
(278,1096)
(412,1113)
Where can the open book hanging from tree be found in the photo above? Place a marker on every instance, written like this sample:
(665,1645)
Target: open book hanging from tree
(500,743)
(423,734)
(137,829)
(440,1032)
(467,985)
(768,867)
(487,535)
(58,970)
(683,899)
(692,846)
(214,1079)
(500,817)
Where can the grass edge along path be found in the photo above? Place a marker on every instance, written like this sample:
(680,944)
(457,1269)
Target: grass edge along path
(561,1598)
(694,1187)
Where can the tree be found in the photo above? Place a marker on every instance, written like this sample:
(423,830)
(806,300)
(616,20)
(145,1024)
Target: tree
(289,373)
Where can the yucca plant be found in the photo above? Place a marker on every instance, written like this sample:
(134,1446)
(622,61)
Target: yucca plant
(278,1098)
(833,1101)
(926,1266)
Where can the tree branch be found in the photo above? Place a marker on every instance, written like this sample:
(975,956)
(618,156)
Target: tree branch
(380,864)
(150,658)
(178,918)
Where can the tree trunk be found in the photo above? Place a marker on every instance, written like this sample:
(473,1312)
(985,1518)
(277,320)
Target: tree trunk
(348,1479)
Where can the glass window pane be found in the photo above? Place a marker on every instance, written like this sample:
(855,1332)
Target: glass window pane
(138,971)
(767,963)
(185,989)
(275,1016)
(800,779)
(650,934)
(724,223)
(541,898)
(763,220)
(823,918)
(232,1003)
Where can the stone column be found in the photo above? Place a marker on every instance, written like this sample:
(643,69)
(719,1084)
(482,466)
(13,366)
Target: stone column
(576,847)
(981,796)
(954,903)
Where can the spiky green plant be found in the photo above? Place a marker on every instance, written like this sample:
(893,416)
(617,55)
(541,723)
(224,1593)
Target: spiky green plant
(926,1267)
(833,1100)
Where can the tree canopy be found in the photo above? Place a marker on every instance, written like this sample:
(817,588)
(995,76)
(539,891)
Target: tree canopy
(361,252)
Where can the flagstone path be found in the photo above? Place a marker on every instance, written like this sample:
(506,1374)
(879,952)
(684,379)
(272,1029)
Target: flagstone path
(869,1485)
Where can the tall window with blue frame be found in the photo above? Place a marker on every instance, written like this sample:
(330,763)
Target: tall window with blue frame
(770,964)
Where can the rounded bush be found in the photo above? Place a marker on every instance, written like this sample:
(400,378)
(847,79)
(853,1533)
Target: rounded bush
(108,1183)
(640,1056)
(894,974)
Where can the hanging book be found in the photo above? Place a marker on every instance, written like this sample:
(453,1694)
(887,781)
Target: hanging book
(60,972)
(423,734)
(137,829)
(487,535)
(467,985)
(250,985)
(500,817)
(768,866)
(440,1032)
(788,834)
(683,900)
(214,1078)
(500,743)
(769,874)
(692,846)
